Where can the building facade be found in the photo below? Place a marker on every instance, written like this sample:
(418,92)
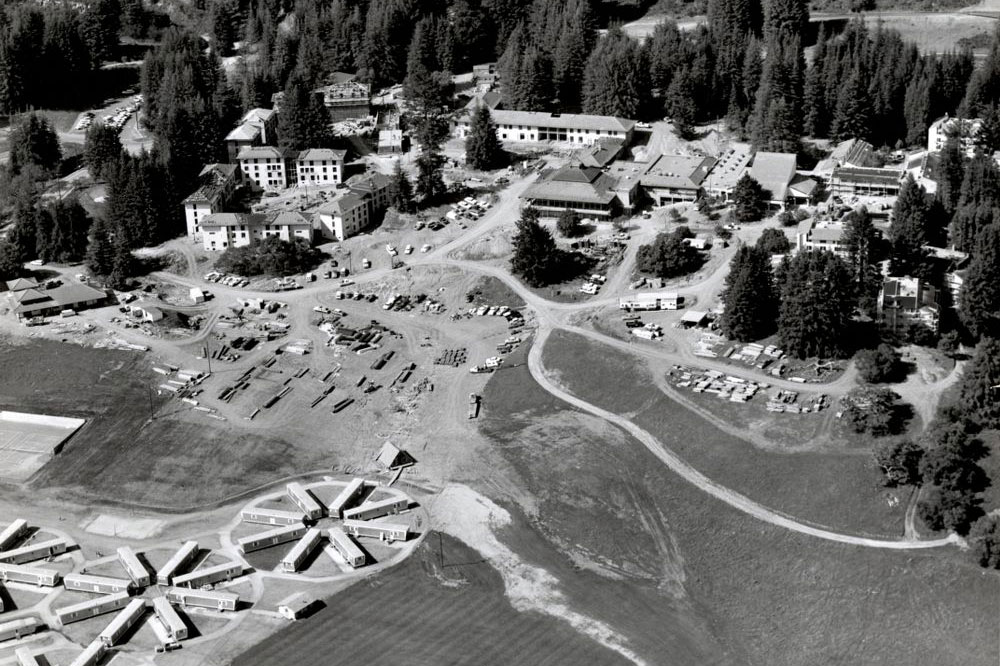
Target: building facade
(356,209)
(217,184)
(258,127)
(225,230)
(908,301)
(320,166)
(965,129)
(269,168)
(540,127)
(850,181)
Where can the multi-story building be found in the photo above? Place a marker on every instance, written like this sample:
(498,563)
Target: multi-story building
(320,166)
(851,181)
(586,190)
(258,127)
(217,184)
(907,301)
(346,99)
(268,167)
(965,129)
(225,230)
(673,178)
(355,210)
(540,127)
(826,235)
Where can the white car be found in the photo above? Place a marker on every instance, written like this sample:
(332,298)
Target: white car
(408,249)
(425,248)
(346,282)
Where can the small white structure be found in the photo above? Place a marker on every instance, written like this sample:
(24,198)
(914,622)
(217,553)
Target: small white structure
(344,544)
(197,295)
(187,552)
(296,607)
(270,538)
(92,608)
(134,567)
(170,618)
(660,300)
(210,575)
(81,582)
(303,499)
(370,510)
(384,531)
(202,598)
(25,657)
(301,551)
(122,622)
(263,516)
(16,573)
(346,497)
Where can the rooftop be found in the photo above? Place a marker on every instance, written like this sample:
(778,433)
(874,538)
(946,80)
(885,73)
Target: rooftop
(313,154)
(601,153)
(244,132)
(64,296)
(264,152)
(574,183)
(774,171)
(562,121)
(232,219)
(258,115)
(212,182)
(345,202)
(21,283)
(677,171)
(729,167)
(872,176)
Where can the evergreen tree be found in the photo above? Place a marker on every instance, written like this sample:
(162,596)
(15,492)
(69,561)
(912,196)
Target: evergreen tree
(680,104)
(979,300)
(101,149)
(967,223)
(535,255)
(751,304)
(33,141)
(785,18)
(817,305)
(861,239)
(614,82)
(984,84)
(430,184)
(100,250)
(568,223)
(401,192)
(483,149)
(534,81)
(977,388)
(909,231)
(303,122)
(669,255)
(950,174)
(750,199)
(100,24)
(988,136)
(852,117)
(984,542)
(981,184)
(10,266)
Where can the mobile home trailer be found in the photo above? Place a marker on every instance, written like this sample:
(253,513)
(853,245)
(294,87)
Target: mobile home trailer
(170,618)
(347,497)
(26,657)
(298,554)
(99,584)
(12,533)
(664,300)
(303,499)
(370,510)
(179,560)
(384,531)
(18,628)
(162,635)
(210,575)
(271,516)
(92,608)
(134,567)
(270,538)
(18,573)
(91,655)
(203,598)
(345,545)
(122,622)
(34,551)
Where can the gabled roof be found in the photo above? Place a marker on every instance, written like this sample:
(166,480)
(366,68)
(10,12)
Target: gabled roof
(369,182)
(244,132)
(575,173)
(312,154)
(232,219)
(264,152)
(774,171)
(63,297)
(869,176)
(21,283)
(290,218)
(677,172)
(575,185)
(601,153)
(490,99)
(258,115)
(563,121)
(25,296)
(392,457)
(211,183)
(345,202)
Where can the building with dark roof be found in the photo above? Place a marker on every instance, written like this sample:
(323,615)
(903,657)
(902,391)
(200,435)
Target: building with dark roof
(601,153)
(225,230)
(217,184)
(587,190)
(542,127)
(30,303)
(353,211)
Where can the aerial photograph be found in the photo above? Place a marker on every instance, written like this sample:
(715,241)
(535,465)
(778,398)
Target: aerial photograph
(499,332)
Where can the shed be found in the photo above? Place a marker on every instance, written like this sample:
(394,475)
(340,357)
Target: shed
(147,313)
(391,457)
(197,295)
(694,318)
(298,606)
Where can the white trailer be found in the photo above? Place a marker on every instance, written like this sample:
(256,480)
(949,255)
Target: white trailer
(100,584)
(162,635)
(34,551)
(263,516)
(346,497)
(370,510)
(122,622)
(663,300)
(25,657)
(170,618)
(270,538)
(17,628)
(179,560)
(210,575)
(303,499)
(134,567)
(297,555)
(345,545)
(384,531)
(92,608)
(203,598)
(91,655)
(12,533)
(18,573)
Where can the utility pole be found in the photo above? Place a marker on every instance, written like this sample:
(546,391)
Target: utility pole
(208,354)
(149,394)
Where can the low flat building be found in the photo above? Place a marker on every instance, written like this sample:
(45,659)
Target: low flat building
(586,190)
(849,153)
(390,142)
(269,168)
(217,184)
(601,153)
(320,166)
(225,230)
(727,170)
(541,127)
(33,303)
(908,301)
(850,181)
(675,178)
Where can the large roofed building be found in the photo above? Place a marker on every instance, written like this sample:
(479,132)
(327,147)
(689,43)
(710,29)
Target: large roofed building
(217,184)
(320,166)
(29,302)
(774,171)
(587,190)
(674,178)
(268,167)
(541,127)
(258,127)
(225,230)
(865,182)
(346,99)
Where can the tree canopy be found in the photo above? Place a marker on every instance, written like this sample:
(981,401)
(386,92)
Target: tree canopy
(750,299)
(535,256)
(817,305)
(669,255)
(750,199)
(483,149)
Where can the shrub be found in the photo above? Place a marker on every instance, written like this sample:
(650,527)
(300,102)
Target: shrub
(878,365)
(270,256)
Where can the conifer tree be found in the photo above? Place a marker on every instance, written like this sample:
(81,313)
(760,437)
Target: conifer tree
(613,83)
(749,199)
(909,231)
(535,254)
(979,300)
(751,305)
(33,141)
(967,223)
(303,122)
(817,305)
(101,149)
(852,117)
(977,389)
(950,174)
(100,251)
(483,149)
(862,241)
(401,192)
(430,184)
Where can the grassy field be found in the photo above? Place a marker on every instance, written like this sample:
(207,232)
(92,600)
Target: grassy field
(119,454)
(838,489)
(715,584)
(424,614)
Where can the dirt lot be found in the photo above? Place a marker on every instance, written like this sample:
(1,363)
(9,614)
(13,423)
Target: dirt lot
(722,587)
(423,613)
